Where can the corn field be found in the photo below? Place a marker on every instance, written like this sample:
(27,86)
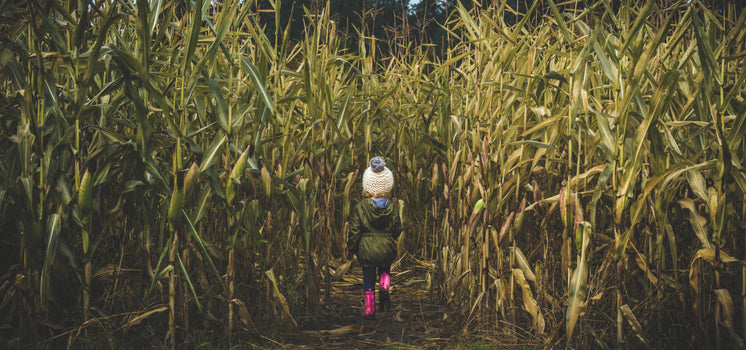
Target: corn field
(172,170)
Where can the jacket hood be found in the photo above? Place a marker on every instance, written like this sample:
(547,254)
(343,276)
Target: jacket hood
(378,217)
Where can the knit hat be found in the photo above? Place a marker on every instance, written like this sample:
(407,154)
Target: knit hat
(377,178)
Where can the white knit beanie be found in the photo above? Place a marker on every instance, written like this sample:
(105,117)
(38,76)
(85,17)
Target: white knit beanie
(377,178)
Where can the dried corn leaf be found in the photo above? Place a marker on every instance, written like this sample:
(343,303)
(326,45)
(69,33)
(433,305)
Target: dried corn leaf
(590,172)
(578,219)
(474,306)
(563,205)
(539,156)
(620,206)
(403,234)
(529,303)
(342,270)
(495,241)
(164,272)
(501,294)
(632,320)
(697,184)
(726,304)
(640,260)
(565,258)
(726,311)
(674,254)
(139,318)
(243,314)
(521,214)
(280,299)
(708,254)
(698,222)
(346,195)
(716,208)
(694,281)
(523,264)
(551,200)
(454,167)
(345,330)
(578,286)
(513,158)
(105,271)
(444,260)
(506,226)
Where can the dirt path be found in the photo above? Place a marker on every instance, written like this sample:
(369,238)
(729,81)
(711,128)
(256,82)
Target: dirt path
(415,319)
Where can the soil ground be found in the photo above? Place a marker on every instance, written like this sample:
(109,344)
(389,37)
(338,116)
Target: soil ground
(415,319)
(418,318)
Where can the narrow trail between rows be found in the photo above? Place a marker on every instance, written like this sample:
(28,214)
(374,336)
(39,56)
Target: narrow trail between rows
(415,320)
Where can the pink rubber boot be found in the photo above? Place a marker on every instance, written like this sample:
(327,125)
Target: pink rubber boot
(383,293)
(370,305)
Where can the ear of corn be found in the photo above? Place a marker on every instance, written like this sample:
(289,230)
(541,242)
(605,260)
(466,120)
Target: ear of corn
(85,193)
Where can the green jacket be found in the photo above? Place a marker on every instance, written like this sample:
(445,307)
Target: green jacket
(373,233)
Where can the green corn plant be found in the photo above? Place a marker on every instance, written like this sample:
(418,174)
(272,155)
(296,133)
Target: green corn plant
(230,192)
(610,64)
(85,196)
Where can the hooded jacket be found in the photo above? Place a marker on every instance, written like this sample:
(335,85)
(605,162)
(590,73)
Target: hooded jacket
(373,233)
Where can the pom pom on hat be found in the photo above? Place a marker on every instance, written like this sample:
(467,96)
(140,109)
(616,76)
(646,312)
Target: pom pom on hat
(377,164)
(377,178)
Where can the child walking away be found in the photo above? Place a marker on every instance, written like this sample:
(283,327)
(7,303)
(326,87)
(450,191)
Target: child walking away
(374,227)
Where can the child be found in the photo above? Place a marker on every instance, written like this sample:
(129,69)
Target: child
(374,227)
